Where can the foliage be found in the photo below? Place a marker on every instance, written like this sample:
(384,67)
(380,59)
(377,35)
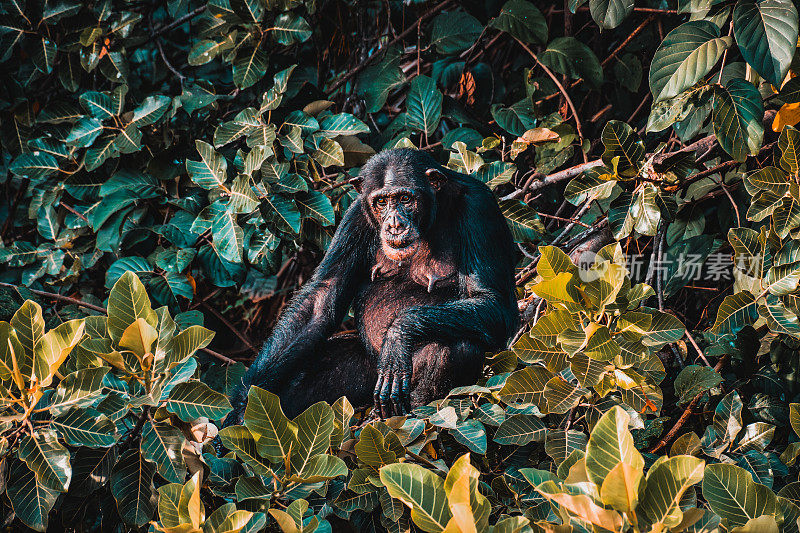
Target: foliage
(172,164)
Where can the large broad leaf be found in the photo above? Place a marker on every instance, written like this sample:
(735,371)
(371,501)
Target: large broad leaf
(731,493)
(789,145)
(666,484)
(621,141)
(240,441)
(522,20)
(291,28)
(621,487)
(610,443)
(693,380)
(518,430)
(34,166)
(211,171)
(766,33)
(132,487)
(737,114)
(30,500)
(284,213)
(150,110)
(48,459)
(735,312)
(524,222)
(569,56)
(52,350)
(193,399)
(454,32)
(161,444)
(86,427)
(273,432)
(250,66)
(128,301)
(424,105)
(685,55)
(314,429)
(610,13)
(422,491)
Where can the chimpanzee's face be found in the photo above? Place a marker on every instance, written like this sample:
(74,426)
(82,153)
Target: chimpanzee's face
(397,211)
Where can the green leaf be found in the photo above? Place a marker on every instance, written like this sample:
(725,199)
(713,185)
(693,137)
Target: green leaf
(274,434)
(35,165)
(472,434)
(570,57)
(523,221)
(290,28)
(518,430)
(228,237)
(162,445)
(610,13)
(250,66)
(132,487)
(454,32)
(240,441)
(693,380)
(342,124)
(371,448)
(731,493)
(424,105)
(786,216)
(422,491)
(128,301)
(284,213)
(737,115)
(317,206)
(526,386)
(314,429)
(789,146)
(610,443)
(522,20)
(84,132)
(211,171)
(621,141)
(86,427)
(99,105)
(736,311)
(685,55)
(150,110)
(766,33)
(193,399)
(667,482)
(329,153)
(30,500)
(47,458)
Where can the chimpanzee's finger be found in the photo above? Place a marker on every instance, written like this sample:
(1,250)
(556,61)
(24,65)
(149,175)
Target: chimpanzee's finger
(397,406)
(386,408)
(376,395)
(406,393)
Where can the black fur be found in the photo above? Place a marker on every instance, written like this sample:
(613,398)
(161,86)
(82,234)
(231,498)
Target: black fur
(437,335)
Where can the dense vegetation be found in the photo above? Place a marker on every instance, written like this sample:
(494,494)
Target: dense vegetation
(176,168)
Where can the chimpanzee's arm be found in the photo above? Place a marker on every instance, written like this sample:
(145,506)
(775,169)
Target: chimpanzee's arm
(486,314)
(317,309)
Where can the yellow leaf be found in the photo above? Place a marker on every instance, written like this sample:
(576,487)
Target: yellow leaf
(538,136)
(620,488)
(53,348)
(583,507)
(139,337)
(285,521)
(787,115)
(761,524)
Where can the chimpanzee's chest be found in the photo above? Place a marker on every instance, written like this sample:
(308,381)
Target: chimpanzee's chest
(380,302)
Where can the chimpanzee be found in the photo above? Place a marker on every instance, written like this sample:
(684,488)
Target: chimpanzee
(426,260)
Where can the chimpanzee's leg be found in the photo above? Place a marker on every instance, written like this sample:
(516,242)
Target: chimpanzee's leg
(439,368)
(341,367)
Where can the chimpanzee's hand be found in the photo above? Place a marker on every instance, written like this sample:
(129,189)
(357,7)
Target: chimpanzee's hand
(392,391)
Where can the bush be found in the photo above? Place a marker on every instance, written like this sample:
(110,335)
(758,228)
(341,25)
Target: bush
(195,156)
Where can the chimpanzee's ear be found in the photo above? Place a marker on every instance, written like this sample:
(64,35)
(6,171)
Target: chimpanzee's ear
(356,183)
(436,177)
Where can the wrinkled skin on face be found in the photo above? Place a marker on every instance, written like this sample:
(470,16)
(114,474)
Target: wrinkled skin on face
(397,211)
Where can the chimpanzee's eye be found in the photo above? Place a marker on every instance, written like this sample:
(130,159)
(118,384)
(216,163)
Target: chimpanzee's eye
(380,202)
(405,199)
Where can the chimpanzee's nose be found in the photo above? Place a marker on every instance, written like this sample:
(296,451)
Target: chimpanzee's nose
(394,225)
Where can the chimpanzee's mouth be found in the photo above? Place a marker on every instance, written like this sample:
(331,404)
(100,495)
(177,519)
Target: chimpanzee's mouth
(400,243)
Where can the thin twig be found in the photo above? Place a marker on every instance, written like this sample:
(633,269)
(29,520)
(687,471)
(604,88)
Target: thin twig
(242,336)
(687,412)
(562,219)
(177,22)
(99,309)
(365,63)
(563,92)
